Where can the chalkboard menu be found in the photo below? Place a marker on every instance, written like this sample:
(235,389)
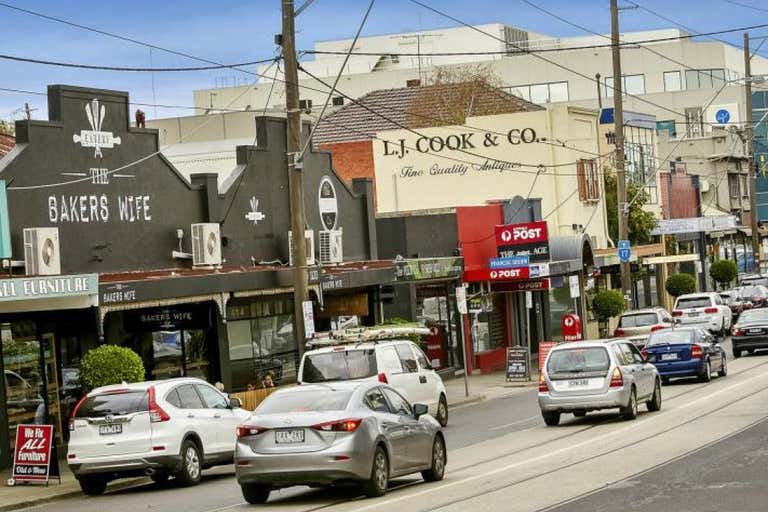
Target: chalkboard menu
(517,363)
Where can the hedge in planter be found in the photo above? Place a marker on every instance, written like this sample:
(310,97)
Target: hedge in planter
(680,284)
(723,272)
(110,364)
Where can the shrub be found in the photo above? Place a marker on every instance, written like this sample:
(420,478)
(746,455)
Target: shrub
(110,364)
(723,272)
(680,284)
(607,304)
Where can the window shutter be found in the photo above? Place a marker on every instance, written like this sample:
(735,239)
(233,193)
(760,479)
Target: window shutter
(581,174)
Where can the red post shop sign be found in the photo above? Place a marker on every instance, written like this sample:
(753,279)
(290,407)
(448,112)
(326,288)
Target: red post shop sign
(32,456)
(510,274)
(571,325)
(527,239)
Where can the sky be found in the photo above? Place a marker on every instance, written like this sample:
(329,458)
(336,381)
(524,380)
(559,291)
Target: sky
(230,31)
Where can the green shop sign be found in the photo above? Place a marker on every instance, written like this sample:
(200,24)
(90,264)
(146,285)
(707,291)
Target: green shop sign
(48,287)
(429,268)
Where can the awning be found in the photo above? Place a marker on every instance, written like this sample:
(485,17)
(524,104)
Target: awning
(675,258)
(47,293)
(220,299)
(570,253)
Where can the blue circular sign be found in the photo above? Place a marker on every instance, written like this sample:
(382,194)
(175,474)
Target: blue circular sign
(722,116)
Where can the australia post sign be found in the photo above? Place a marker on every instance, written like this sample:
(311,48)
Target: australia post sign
(527,239)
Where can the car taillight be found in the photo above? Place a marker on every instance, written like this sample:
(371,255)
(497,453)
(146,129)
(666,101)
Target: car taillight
(348,425)
(383,378)
(644,353)
(677,312)
(617,380)
(737,332)
(74,412)
(710,310)
(696,351)
(543,388)
(248,430)
(156,413)
(618,332)
(657,328)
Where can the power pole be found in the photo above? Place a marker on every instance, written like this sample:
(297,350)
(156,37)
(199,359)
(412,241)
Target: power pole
(293,147)
(618,120)
(750,136)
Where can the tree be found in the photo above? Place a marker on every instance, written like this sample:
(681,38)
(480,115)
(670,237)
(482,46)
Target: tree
(723,272)
(639,222)
(110,364)
(607,304)
(7,128)
(680,284)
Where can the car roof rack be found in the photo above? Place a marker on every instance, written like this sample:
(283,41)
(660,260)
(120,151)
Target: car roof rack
(365,335)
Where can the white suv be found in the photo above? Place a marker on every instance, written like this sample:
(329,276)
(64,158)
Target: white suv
(174,427)
(704,308)
(399,363)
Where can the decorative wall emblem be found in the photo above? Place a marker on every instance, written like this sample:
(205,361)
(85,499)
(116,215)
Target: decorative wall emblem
(255,215)
(328,204)
(95,138)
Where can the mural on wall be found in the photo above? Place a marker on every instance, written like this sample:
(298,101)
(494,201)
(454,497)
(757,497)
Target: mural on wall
(328,204)
(254,215)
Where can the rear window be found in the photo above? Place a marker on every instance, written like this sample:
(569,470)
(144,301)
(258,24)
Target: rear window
(115,404)
(640,320)
(753,315)
(314,400)
(670,337)
(341,365)
(578,360)
(694,302)
(751,291)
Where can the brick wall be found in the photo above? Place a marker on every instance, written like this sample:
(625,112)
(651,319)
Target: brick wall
(679,196)
(352,159)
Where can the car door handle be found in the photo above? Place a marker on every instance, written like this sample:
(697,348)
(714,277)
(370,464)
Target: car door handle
(217,416)
(423,379)
(190,415)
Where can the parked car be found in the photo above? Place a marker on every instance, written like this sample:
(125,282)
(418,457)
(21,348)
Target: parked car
(756,294)
(686,352)
(694,308)
(397,362)
(753,279)
(591,375)
(637,325)
(342,432)
(174,427)
(734,300)
(750,332)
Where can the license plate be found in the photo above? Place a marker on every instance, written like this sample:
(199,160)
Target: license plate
(668,357)
(578,383)
(106,430)
(754,331)
(289,436)
(693,313)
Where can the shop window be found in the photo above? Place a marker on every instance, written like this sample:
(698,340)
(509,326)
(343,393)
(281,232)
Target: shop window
(589,184)
(435,308)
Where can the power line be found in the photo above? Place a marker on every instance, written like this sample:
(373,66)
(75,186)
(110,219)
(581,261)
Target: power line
(754,8)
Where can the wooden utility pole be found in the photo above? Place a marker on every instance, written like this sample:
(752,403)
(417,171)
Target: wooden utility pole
(293,147)
(618,120)
(749,133)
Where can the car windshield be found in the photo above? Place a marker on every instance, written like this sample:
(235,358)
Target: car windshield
(115,404)
(670,337)
(751,291)
(638,320)
(339,365)
(575,360)
(694,302)
(754,315)
(305,400)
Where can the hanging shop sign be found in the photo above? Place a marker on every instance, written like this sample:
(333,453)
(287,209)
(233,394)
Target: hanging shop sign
(429,268)
(32,460)
(48,287)
(694,225)
(514,262)
(509,274)
(522,286)
(527,239)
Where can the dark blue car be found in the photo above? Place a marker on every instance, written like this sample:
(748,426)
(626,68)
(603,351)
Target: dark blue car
(685,352)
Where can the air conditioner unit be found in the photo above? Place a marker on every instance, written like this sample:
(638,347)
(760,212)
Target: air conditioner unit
(206,243)
(41,251)
(309,237)
(331,246)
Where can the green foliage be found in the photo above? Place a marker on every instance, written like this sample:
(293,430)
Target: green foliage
(607,304)
(680,284)
(563,295)
(640,222)
(7,128)
(110,364)
(723,272)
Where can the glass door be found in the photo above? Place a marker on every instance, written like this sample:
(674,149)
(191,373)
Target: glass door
(52,393)
(195,354)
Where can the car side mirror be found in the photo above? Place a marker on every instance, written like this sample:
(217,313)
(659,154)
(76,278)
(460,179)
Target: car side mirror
(668,321)
(419,410)
(235,403)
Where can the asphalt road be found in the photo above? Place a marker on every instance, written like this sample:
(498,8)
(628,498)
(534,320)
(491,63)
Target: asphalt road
(502,457)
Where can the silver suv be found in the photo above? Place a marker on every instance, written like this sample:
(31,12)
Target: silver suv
(592,375)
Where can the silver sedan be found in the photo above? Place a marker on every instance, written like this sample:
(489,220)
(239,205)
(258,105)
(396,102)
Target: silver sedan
(340,433)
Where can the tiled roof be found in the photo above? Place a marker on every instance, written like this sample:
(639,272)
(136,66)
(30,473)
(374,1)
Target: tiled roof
(416,107)
(6,144)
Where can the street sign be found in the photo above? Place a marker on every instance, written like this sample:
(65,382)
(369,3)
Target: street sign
(573,282)
(511,262)
(694,225)
(624,251)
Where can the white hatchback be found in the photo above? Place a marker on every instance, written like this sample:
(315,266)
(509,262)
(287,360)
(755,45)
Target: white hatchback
(175,427)
(399,363)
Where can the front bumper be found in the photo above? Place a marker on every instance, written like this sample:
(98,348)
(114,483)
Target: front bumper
(612,399)
(125,467)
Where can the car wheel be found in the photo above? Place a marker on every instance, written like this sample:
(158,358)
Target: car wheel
(436,472)
(630,411)
(377,484)
(255,494)
(442,411)
(579,414)
(724,368)
(706,375)
(551,418)
(736,353)
(665,381)
(750,351)
(93,485)
(654,404)
(191,464)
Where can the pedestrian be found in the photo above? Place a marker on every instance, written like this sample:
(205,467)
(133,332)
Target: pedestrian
(220,387)
(251,386)
(266,381)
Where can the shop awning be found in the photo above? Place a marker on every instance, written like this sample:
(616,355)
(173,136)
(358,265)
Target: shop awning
(675,258)
(48,293)
(570,253)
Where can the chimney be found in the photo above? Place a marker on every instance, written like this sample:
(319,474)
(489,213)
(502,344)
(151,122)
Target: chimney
(416,82)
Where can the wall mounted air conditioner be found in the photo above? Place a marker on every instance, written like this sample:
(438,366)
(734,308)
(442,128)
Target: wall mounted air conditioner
(331,246)
(206,243)
(41,251)
(309,237)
